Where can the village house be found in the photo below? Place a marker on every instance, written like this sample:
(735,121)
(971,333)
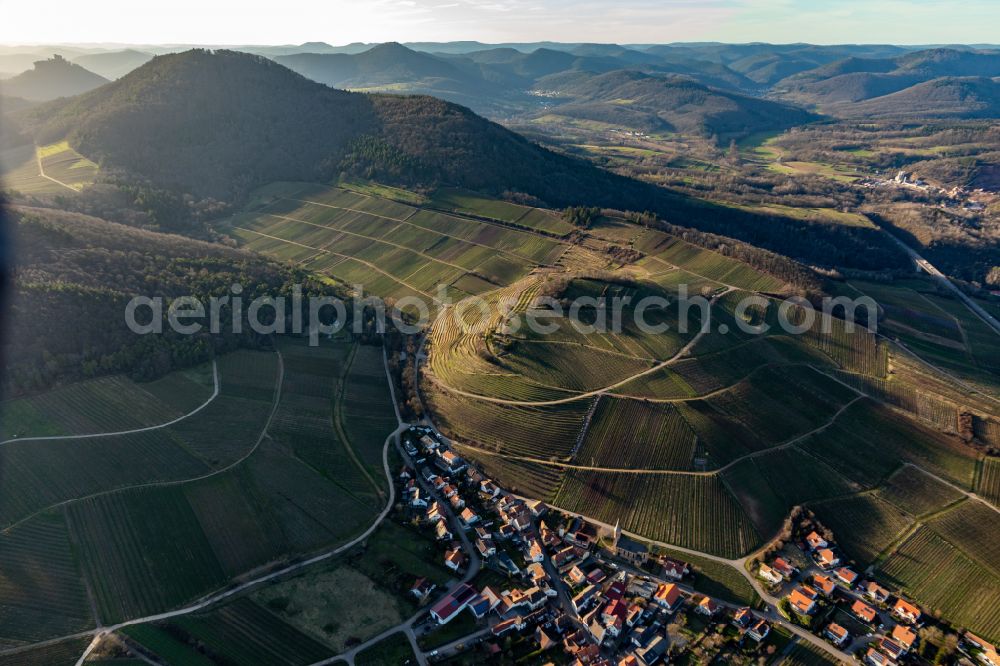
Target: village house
(815,541)
(534,551)
(668,596)
(846,576)
(759,630)
(875,658)
(837,634)
(580,533)
(743,618)
(706,606)
(769,574)
(987,651)
(482,605)
(503,559)
(891,648)
(584,599)
(486,547)
(453,603)
(449,462)
(674,569)
(433,513)
(803,599)
(824,584)
(489,488)
(422,588)
(536,574)
(863,611)
(575,576)
(441,531)
(906,612)
(827,558)
(905,636)
(468,517)
(457,503)
(454,558)
(875,592)
(654,652)
(784,569)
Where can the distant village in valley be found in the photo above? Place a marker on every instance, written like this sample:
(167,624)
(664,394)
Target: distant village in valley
(539,585)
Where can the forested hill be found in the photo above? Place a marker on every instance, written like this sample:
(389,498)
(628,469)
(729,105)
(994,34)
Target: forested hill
(218,124)
(81,269)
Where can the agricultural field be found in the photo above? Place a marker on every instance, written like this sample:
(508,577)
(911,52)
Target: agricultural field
(392,249)
(989,480)
(938,576)
(471,203)
(917,493)
(65,653)
(547,432)
(335,605)
(245,632)
(863,525)
(366,410)
(630,434)
(143,551)
(41,589)
(797,477)
(670,508)
(519,476)
(395,649)
(765,508)
(973,527)
(105,404)
(165,645)
(805,654)
(47,473)
(705,263)
(868,442)
(67,170)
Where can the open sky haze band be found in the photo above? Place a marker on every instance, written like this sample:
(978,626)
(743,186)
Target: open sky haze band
(228,22)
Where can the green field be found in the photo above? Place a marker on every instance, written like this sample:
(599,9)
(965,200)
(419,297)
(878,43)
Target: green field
(41,588)
(863,525)
(916,493)
(806,654)
(973,527)
(630,434)
(68,170)
(941,578)
(47,473)
(105,404)
(989,480)
(668,508)
(65,653)
(236,507)
(392,651)
(463,201)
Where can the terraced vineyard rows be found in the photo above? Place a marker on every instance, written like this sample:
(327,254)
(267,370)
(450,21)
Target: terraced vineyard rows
(40,587)
(864,525)
(940,577)
(538,432)
(244,632)
(105,404)
(630,434)
(672,509)
(972,527)
(518,476)
(916,493)
(989,480)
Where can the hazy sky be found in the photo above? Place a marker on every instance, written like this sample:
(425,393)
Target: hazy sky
(623,21)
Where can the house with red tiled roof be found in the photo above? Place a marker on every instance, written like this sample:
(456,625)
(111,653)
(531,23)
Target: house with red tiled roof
(784,569)
(803,599)
(454,559)
(891,649)
(668,596)
(453,603)
(906,611)
(707,606)
(846,576)
(875,592)
(904,636)
(743,617)
(827,558)
(674,569)
(863,611)
(836,633)
(824,584)
(875,658)
(987,651)
(769,574)
(759,630)
(816,541)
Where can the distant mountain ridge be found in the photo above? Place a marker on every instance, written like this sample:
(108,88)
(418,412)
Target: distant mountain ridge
(50,79)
